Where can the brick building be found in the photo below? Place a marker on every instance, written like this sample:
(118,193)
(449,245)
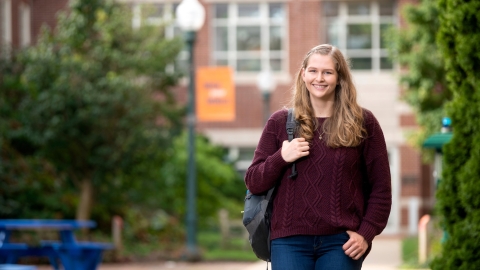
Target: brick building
(253,35)
(21,20)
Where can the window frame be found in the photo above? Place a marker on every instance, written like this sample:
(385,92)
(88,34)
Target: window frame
(25,27)
(6,26)
(343,20)
(231,55)
(167,20)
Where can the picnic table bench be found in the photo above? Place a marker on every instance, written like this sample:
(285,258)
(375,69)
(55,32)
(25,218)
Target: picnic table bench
(16,267)
(72,254)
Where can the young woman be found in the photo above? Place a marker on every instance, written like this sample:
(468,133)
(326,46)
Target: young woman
(327,216)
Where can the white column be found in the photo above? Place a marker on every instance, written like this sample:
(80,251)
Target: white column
(25,25)
(6,22)
(413,206)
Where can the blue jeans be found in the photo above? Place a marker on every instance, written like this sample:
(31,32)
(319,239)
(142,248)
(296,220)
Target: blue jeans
(310,252)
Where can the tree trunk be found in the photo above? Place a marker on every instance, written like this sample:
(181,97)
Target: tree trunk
(86,200)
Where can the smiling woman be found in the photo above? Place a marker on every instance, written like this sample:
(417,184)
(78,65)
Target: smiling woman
(327,217)
(324,88)
(320,78)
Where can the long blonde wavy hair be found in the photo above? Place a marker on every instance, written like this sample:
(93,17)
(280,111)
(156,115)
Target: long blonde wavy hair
(345,127)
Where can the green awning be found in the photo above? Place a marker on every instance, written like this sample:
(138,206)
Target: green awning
(437,140)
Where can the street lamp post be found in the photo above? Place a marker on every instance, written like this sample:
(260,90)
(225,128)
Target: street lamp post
(190,18)
(266,84)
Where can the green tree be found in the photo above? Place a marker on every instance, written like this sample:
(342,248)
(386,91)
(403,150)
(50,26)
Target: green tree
(29,185)
(422,74)
(89,108)
(163,192)
(219,185)
(95,98)
(458,192)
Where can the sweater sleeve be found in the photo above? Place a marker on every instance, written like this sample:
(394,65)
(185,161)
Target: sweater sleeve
(377,172)
(268,165)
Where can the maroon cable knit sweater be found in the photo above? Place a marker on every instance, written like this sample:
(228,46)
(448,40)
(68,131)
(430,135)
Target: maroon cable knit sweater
(327,195)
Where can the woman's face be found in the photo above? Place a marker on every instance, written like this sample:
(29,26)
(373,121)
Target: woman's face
(320,77)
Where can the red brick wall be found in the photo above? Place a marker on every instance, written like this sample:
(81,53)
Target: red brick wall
(411,172)
(44,12)
(248,108)
(304,18)
(416,181)
(400,5)
(15,23)
(427,185)
(408,120)
(202,51)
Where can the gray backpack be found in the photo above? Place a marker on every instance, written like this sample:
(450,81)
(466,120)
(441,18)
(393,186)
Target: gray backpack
(258,208)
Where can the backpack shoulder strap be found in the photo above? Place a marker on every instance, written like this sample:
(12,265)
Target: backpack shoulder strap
(291,124)
(291,127)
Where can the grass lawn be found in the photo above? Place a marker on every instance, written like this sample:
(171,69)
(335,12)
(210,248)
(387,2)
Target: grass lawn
(235,250)
(410,254)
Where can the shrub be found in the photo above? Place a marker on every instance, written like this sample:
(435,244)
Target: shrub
(458,191)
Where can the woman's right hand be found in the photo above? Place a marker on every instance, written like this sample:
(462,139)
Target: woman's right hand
(295,149)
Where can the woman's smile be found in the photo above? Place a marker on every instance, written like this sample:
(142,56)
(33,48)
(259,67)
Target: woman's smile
(320,77)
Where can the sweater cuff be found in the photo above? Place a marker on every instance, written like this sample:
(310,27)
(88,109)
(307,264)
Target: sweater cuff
(277,159)
(367,231)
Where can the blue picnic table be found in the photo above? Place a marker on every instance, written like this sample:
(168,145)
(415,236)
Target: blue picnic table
(72,254)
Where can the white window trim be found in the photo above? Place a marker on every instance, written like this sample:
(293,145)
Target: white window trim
(393,225)
(264,21)
(25,26)
(343,19)
(166,19)
(6,24)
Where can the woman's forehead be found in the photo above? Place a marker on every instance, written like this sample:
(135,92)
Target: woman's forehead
(317,60)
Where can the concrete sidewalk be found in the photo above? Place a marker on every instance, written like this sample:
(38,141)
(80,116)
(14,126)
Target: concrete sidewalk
(386,254)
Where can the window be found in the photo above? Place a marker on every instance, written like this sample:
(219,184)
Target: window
(161,14)
(358,29)
(5,25)
(24,25)
(249,37)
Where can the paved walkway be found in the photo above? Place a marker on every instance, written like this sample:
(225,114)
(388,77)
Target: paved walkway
(385,255)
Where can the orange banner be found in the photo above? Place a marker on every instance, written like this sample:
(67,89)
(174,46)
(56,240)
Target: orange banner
(215,94)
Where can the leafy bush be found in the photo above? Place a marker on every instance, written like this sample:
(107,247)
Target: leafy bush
(91,104)
(458,192)
(414,48)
